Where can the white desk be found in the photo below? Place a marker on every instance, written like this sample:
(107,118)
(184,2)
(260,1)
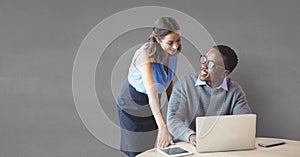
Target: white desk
(290,149)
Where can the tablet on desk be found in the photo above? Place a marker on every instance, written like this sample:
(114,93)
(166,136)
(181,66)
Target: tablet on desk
(174,151)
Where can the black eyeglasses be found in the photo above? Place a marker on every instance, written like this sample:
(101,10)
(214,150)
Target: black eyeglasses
(210,64)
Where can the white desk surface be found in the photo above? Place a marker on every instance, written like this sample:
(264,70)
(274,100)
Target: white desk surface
(290,149)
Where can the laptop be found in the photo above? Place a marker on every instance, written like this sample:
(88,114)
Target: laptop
(225,133)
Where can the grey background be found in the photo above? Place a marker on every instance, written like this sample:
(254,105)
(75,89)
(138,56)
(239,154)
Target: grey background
(39,41)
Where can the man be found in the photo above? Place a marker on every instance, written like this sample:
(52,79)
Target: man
(208,93)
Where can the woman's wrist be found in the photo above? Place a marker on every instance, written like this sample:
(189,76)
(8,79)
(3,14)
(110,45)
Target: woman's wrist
(161,126)
(160,120)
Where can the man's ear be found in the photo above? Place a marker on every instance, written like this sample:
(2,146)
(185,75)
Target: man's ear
(226,72)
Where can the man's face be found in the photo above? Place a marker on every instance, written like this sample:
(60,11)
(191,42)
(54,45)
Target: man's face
(213,71)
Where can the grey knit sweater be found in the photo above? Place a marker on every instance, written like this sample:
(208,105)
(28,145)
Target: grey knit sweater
(189,101)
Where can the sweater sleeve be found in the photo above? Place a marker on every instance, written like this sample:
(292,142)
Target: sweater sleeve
(241,104)
(177,112)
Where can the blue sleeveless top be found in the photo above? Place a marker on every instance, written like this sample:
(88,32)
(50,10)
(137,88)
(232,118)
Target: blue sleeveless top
(162,79)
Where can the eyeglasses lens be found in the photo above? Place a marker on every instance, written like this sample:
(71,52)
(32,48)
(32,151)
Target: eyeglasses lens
(210,65)
(203,59)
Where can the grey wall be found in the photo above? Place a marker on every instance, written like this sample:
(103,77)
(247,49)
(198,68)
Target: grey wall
(39,41)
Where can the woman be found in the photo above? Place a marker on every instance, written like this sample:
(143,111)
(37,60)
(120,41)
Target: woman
(151,73)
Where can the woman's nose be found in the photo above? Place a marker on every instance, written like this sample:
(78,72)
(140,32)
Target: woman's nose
(175,46)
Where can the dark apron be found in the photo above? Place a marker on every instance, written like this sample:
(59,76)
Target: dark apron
(138,126)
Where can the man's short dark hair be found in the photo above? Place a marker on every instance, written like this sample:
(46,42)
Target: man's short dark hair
(231,59)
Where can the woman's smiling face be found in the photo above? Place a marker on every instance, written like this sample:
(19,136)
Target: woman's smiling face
(171,42)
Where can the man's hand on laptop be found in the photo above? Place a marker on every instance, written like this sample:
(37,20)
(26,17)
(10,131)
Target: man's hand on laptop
(193,139)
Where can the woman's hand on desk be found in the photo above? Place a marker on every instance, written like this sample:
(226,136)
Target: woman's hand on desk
(164,138)
(193,139)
